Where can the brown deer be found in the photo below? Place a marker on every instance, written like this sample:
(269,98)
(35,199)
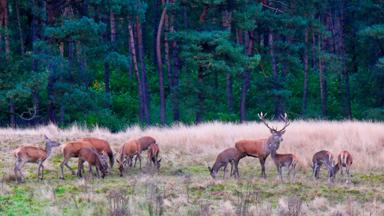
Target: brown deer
(325,158)
(94,159)
(70,150)
(259,148)
(32,154)
(129,149)
(229,155)
(153,155)
(288,161)
(345,161)
(101,146)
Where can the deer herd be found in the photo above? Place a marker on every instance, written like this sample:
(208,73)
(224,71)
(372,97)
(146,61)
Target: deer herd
(97,153)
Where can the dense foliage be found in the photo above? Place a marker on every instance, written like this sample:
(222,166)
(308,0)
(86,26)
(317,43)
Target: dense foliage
(121,62)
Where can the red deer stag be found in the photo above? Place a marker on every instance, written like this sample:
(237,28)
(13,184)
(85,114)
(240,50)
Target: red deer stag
(32,154)
(259,148)
(129,149)
(229,155)
(94,159)
(153,155)
(288,161)
(101,145)
(325,158)
(345,161)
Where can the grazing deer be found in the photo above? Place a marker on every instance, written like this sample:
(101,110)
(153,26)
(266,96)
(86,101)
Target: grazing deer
(153,155)
(32,154)
(345,161)
(101,146)
(259,148)
(325,158)
(71,149)
(229,155)
(288,161)
(129,149)
(94,159)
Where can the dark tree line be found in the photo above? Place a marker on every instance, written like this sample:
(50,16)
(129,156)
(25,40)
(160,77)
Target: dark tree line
(119,62)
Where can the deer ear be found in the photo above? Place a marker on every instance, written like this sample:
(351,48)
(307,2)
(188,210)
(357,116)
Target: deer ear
(45,137)
(159,160)
(282,132)
(210,169)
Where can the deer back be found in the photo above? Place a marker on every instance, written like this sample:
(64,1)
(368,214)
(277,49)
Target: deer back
(255,148)
(99,144)
(30,153)
(145,142)
(72,148)
(130,148)
(345,158)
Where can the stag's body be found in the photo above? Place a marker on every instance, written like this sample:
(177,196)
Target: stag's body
(101,146)
(94,159)
(129,149)
(261,148)
(70,150)
(345,161)
(230,155)
(288,161)
(324,158)
(153,155)
(32,154)
(145,142)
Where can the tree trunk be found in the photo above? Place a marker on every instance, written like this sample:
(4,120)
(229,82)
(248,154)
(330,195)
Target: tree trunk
(278,109)
(4,24)
(12,120)
(229,91)
(246,81)
(113,27)
(200,96)
(136,69)
(20,30)
(305,85)
(51,96)
(160,65)
(175,80)
(323,82)
(144,85)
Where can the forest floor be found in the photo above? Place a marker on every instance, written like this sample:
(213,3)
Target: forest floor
(184,186)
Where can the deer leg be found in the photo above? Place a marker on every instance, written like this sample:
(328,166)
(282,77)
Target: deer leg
(139,160)
(231,173)
(279,170)
(21,164)
(237,169)
(17,169)
(90,171)
(262,163)
(225,170)
(348,175)
(65,163)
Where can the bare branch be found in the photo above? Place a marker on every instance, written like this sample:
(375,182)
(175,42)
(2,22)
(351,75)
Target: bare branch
(272,8)
(28,115)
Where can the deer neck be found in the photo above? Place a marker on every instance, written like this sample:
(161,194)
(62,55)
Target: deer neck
(48,150)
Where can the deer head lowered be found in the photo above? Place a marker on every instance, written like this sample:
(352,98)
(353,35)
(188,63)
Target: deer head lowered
(261,148)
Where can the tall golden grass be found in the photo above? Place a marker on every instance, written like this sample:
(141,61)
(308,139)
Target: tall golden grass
(199,143)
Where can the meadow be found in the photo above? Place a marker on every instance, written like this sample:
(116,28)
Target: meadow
(184,186)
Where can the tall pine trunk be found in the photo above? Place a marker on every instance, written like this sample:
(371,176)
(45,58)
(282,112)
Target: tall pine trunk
(246,81)
(160,65)
(136,69)
(323,82)
(200,96)
(144,84)
(278,108)
(19,28)
(305,84)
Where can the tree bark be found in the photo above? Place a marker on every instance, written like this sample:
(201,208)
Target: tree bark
(200,96)
(278,109)
(136,69)
(4,24)
(246,81)
(229,91)
(323,82)
(12,120)
(305,84)
(20,30)
(144,85)
(160,65)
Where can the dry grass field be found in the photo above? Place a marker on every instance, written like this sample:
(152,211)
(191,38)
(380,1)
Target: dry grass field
(184,186)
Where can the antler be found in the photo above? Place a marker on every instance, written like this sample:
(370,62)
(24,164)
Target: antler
(261,117)
(285,120)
